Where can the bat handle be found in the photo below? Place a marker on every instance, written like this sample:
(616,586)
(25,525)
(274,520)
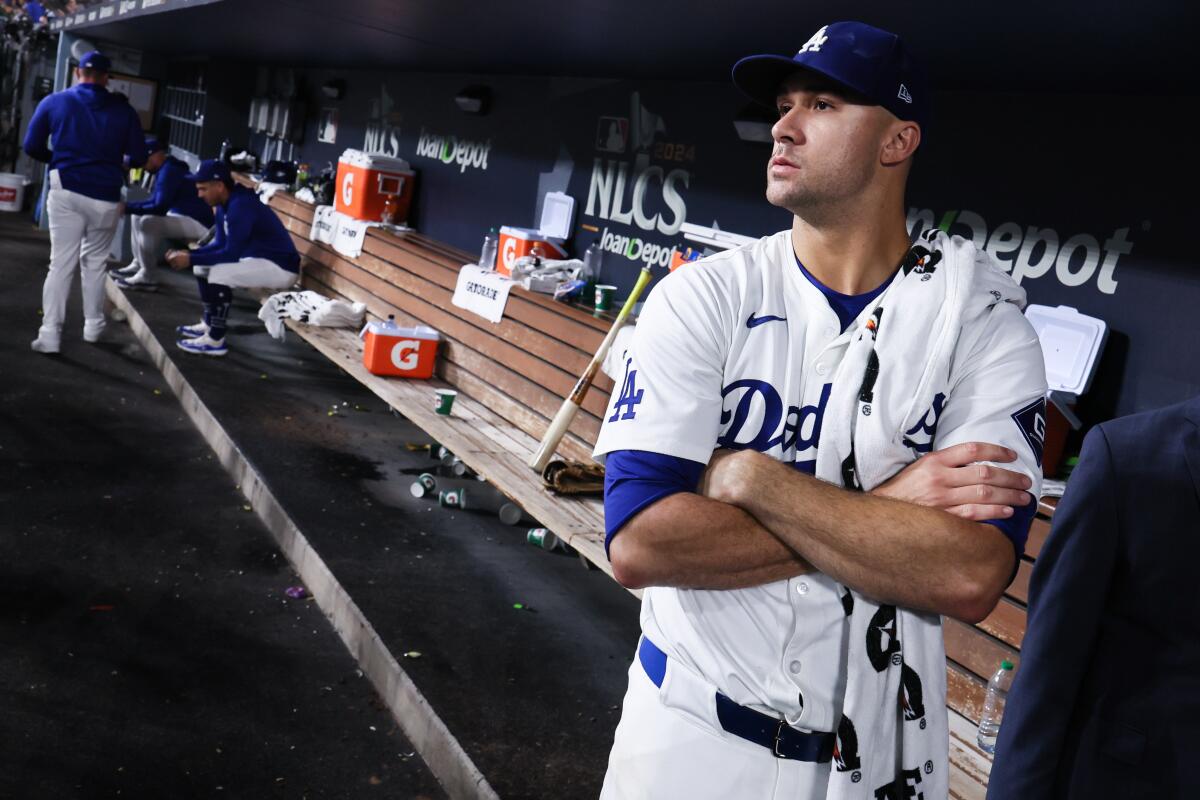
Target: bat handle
(554,434)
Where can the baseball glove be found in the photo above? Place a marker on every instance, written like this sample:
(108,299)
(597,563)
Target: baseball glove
(573,477)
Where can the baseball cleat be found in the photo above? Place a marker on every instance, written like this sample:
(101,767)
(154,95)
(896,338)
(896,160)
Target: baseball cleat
(92,335)
(193,331)
(136,282)
(203,346)
(41,345)
(126,271)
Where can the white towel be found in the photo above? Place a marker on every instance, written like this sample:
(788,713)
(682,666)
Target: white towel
(310,308)
(893,738)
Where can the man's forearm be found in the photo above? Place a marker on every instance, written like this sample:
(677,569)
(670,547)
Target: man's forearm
(891,551)
(689,541)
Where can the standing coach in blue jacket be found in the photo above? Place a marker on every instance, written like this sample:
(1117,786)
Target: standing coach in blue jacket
(250,250)
(85,133)
(1107,701)
(173,211)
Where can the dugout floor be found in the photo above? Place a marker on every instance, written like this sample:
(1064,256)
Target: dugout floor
(149,648)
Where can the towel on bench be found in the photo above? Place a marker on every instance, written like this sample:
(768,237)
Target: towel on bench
(311,309)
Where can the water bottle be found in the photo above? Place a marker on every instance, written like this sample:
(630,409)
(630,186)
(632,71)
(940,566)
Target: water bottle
(993,706)
(390,326)
(487,256)
(591,268)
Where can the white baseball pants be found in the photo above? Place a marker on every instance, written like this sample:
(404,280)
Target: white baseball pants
(669,746)
(81,231)
(147,233)
(249,273)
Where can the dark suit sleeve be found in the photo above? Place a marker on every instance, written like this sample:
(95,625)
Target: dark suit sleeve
(1066,601)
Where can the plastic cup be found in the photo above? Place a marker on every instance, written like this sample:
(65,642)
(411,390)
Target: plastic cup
(541,537)
(424,484)
(452,498)
(445,399)
(510,514)
(604,296)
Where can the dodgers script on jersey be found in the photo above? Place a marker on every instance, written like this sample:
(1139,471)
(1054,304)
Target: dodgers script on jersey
(740,350)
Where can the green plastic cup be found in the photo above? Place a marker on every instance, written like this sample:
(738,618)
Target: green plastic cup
(445,399)
(604,296)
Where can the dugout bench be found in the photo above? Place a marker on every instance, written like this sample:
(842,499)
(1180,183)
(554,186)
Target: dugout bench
(512,377)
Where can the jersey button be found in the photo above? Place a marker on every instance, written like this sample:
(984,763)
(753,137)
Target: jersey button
(802,588)
(822,368)
(794,667)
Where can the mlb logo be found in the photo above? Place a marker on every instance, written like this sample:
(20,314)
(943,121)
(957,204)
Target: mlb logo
(612,134)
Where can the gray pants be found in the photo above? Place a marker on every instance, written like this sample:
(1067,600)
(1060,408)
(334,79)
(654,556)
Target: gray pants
(148,232)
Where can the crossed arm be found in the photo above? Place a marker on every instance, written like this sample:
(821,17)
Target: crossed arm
(915,541)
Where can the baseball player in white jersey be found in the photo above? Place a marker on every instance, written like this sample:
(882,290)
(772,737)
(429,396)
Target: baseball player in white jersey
(753,564)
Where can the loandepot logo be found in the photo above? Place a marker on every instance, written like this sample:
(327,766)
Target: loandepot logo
(1032,252)
(635,249)
(452,150)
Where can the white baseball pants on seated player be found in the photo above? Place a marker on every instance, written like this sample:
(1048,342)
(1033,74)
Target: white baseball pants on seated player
(81,231)
(249,273)
(147,232)
(670,745)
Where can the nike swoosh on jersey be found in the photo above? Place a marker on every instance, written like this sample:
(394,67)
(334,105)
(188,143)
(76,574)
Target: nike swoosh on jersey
(753,321)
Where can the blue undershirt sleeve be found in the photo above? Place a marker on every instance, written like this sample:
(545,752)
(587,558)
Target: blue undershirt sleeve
(1016,528)
(635,479)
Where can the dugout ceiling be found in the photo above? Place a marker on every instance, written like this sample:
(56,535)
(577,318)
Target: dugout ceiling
(1100,46)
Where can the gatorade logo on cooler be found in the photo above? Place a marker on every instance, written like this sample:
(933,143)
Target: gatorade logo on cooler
(8,195)
(510,253)
(406,354)
(348,189)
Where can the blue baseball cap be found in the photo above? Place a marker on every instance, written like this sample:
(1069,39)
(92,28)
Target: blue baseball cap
(211,170)
(871,62)
(154,144)
(95,60)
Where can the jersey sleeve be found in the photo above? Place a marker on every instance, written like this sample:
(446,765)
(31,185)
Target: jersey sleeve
(667,393)
(634,480)
(998,395)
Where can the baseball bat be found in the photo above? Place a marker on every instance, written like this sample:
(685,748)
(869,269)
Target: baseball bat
(566,412)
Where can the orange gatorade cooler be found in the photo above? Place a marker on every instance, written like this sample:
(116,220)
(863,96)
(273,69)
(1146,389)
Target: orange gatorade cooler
(366,181)
(404,352)
(557,214)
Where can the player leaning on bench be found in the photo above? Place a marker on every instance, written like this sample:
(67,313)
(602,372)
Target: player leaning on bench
(765,479)
(251,250)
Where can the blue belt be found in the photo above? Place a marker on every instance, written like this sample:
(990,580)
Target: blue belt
(776,735)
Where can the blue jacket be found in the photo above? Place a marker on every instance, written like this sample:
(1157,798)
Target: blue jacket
(174,192)
(35,10)
(247,228)
(1106,702)
(90,131)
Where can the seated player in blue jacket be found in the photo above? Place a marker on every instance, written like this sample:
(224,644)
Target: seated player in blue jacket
(251,250)
(173,211)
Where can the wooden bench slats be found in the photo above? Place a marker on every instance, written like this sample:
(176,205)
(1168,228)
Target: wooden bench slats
(349,278)
(964,692)
(431,249)
(1019,589)
(973,650)
(456,363)
(1038,532)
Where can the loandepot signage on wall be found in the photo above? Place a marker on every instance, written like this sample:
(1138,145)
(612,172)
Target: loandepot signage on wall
(452,150)
(1032,252)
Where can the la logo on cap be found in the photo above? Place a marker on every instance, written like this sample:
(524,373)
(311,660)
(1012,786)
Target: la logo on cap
(813,45)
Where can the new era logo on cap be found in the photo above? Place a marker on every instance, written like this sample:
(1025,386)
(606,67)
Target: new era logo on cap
(903,94)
